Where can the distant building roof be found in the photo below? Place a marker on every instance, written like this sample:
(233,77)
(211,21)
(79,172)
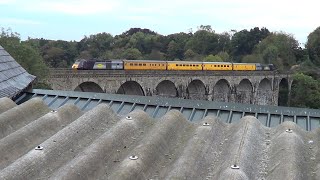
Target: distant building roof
(39,143)
(13,78)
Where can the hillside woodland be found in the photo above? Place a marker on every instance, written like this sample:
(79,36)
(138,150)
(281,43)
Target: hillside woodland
(257,45)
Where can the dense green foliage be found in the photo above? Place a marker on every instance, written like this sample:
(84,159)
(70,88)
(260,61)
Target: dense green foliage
(257,45)
(305,91)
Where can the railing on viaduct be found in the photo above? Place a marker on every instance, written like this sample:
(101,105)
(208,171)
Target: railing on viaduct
(251,87)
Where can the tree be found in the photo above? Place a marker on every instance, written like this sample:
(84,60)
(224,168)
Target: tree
(224,56)
(252,58)
(155,55)
(173,50)
(189,54)
(313,46)
(278,49)
(96,44)
(132,53)
(305,92)
(243,42)
(213,58)
(178,43)
(203,42)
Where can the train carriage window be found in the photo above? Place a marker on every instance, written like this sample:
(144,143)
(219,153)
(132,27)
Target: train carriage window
(131,64)
(144,64)
(215,65)
(177,65)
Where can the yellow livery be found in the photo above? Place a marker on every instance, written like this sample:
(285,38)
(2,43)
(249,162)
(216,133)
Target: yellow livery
(217,66)
(144,65)
(184,65)
(244,66)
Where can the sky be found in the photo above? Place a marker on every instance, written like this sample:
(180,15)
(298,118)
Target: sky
(74,19)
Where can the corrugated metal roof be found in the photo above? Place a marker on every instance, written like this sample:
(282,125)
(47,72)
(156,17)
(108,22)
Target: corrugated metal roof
(38,143)
(13,78)
(193,110)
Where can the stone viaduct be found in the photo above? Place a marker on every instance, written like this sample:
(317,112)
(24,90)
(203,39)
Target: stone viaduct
(258,87)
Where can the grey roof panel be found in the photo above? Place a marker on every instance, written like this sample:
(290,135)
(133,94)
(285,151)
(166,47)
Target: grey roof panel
(99,144)
(13,78)
(193,110)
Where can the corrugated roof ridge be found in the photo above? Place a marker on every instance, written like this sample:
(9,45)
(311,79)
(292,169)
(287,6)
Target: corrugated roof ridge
(199,154)
(93,162)
(19,116)
(242,141)
(288,153)
(26,138)
(62,146)
(156,148)
(6,104)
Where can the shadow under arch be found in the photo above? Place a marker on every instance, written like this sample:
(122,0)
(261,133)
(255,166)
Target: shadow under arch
(264,92)
(166,88)
(221,91)
(196,90)
(89,87)
(283,92)
(131,88)
(244,93)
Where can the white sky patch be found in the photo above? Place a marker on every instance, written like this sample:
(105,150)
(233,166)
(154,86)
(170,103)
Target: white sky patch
(169,16)
(16,21)
(6,2)
(72,7)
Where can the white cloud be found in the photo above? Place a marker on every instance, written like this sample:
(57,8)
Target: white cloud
(17,21)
